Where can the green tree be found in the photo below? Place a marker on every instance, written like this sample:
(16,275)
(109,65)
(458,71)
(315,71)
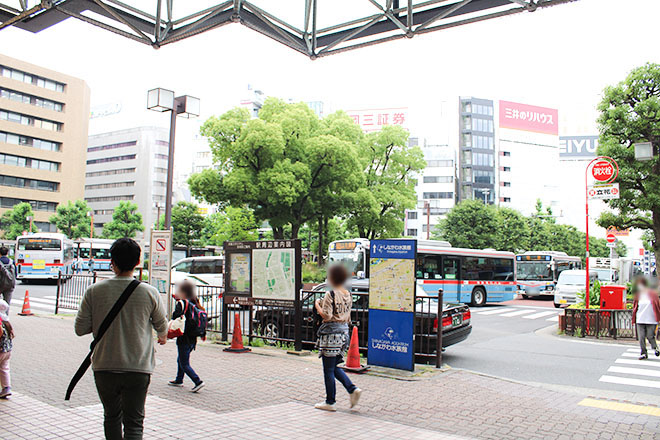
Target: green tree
(234,224)
(14,221)
(377,209)
(630,113)
(470,224)
(513,231)
(72,220)
(126,221)
(621,249)
(187,225)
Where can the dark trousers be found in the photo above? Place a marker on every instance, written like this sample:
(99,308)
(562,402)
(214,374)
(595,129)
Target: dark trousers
(644,332)
(123,396)
(332,372)
(183,361)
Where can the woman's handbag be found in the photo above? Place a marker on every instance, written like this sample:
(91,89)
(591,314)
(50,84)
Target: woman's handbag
(176,327)
(317,319)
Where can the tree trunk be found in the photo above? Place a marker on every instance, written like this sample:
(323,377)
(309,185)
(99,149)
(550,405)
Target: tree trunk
(295,228)
(278,233)
(656,242)
(320,262)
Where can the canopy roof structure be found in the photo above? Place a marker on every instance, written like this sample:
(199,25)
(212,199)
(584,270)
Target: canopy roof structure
(312,27)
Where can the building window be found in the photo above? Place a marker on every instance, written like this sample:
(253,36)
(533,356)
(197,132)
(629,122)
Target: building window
(30,120)
(104,211)
(436,211)
(467,140)
(30,99)
(110,185)
(110,172)
(159,198)
(506,168)
(438,179)
(466,107)
(506,153)
(438,195)
(482,142)
(412,215)
(45,227)
(26,162)
(160,170)
(483,159)
(159,184)
(20,182)
(160,156)
(28,141)
(109,198)
(467,123)
(111,159)
(37,205)
(164,143)
(506,183)
(28,78)
(479,124)
(505,199)
(440,163)
(481,176)
(485,195)
(411,232)
(111,146)
(467,174)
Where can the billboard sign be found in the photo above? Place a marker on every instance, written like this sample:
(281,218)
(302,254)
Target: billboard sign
(376,119)
(527,117)
(577,146)
(618,232)
(160,264)
(603,192)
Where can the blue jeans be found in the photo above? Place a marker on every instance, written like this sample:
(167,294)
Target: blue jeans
(183,362)
(332,372)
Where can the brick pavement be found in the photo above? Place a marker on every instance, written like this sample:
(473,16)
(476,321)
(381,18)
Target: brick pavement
(266,388)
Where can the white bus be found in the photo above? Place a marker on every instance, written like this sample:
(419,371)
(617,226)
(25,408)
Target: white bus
(98,258)
(42,256)
(537,271)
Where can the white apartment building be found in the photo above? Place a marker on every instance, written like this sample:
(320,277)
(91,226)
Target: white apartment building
(129,165)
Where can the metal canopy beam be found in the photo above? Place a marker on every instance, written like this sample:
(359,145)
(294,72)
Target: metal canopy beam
(387,20)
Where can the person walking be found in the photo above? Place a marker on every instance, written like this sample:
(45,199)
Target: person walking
(186,303)
(7,275)
(6,344)
(335,310)
(646,314)
(124,358)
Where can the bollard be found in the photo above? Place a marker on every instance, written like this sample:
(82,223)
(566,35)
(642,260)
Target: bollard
(438,353)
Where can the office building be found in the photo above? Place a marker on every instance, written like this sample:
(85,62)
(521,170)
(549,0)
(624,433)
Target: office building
(44,116)
(127,165)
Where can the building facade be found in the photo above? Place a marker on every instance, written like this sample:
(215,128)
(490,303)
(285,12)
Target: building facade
(44,117)
(127,165)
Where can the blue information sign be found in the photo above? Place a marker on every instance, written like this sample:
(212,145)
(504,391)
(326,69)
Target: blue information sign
(391,339)
(401,249)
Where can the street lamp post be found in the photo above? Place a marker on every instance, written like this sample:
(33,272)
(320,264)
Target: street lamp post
(163,100)
(157,206)
(29,218)
(90,214)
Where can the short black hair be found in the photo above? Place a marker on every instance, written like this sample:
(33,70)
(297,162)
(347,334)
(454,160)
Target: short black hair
(125,254)
(337,275)
(3,250)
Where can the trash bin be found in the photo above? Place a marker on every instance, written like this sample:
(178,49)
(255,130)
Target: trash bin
(613,297)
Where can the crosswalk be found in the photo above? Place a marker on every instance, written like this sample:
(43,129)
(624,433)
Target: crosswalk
(44,304)
(629,370)
(519,312)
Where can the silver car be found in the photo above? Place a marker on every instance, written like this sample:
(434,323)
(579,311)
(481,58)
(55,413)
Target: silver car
(571,282)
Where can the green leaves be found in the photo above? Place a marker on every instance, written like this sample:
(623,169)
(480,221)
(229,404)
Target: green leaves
(72,219)
(126,221)
(14,221)
(187,225)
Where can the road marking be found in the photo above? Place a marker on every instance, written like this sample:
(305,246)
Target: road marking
(637,362)
(516,313)
(553,319)
(630,381)
(633,349)
(637,371)
(492,312)
(542,314)
(33,305)
(618,406)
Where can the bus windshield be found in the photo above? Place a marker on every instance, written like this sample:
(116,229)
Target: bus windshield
(39,244)
(534,270)
(352,261)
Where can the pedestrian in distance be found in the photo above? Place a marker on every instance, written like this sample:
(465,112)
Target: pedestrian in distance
(646,314)
(335,310)
(123,359)
(7,275)
(6,344)
(188,306)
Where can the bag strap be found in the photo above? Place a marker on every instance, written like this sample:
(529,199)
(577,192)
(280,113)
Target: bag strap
(112,314)
(334,307)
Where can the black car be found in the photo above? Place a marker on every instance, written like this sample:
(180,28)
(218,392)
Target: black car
(278,323)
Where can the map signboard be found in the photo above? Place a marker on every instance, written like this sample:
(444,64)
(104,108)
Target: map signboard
(392,303)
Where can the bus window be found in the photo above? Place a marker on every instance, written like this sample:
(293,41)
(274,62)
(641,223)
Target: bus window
(428,267)
(450,268)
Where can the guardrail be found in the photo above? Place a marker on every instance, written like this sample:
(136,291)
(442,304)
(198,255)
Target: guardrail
(599,323)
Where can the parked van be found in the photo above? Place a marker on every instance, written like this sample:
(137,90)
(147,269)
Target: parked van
(199,270)
(569,283)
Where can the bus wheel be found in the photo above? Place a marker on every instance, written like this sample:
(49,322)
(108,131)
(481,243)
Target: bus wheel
(478,297)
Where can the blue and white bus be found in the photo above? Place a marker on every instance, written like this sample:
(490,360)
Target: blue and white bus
(42,256)
(537,272)
(98,258)
(466,275)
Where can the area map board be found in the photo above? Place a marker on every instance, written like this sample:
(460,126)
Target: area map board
(392,303)
(262,272)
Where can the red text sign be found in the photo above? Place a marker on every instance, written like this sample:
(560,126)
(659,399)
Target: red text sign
(602,171)
(529,118)
(376,119)
(611,238)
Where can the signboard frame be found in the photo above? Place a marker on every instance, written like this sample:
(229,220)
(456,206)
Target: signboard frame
(159,277)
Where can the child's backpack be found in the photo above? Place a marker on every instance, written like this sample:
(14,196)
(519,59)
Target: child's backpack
(199,321)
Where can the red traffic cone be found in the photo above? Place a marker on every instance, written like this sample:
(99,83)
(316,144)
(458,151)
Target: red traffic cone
(26,306)
(237,338)
(353,358)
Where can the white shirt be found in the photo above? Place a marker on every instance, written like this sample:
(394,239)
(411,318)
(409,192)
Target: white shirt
(645,313)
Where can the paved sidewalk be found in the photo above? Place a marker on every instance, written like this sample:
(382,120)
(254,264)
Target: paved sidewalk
(265,396)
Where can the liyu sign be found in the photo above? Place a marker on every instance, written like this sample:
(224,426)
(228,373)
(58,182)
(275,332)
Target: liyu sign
(529,118)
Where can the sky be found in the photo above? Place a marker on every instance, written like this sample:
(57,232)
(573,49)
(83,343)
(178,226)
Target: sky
(559,57)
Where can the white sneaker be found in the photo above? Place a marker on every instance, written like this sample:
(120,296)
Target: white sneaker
(326,406)
(198,387)
(355,397)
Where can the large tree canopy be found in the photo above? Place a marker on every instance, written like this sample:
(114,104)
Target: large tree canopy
(15,221)
(71,219)
(126,221)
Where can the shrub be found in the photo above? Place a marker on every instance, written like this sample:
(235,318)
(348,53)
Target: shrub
(311,273)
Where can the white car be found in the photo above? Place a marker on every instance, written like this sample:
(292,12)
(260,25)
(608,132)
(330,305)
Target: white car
(199,270)
(569,283)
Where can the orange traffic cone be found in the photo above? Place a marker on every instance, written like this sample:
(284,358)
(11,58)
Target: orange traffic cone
(237,338)
(353,359)
(26,306)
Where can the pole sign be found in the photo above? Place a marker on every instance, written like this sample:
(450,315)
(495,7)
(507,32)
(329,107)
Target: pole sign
(160,264)
(618,232)
(604,192)
(392,304)
(611,238)
(603,171)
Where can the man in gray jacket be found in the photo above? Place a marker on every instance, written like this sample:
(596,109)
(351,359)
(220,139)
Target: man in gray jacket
(124,358)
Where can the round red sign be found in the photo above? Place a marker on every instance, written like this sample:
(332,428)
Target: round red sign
(611,238)
(602,171)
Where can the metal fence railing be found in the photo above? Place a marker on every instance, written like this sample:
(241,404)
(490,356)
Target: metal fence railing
(599,323)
